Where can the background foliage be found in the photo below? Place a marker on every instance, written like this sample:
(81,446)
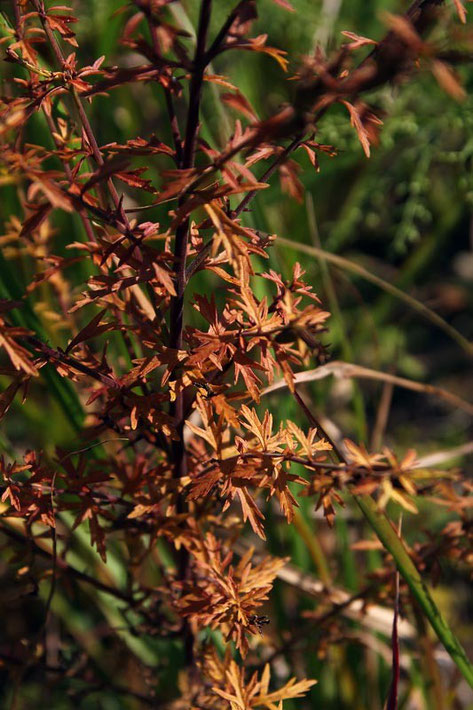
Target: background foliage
(403,215)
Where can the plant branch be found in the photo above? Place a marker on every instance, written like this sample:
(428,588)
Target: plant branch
(388,535)
(58,356)
(182,232)
(221,36)
(177,302)
(349,370)
(53,131)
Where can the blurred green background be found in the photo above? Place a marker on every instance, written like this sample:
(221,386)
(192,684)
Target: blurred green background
(405,215)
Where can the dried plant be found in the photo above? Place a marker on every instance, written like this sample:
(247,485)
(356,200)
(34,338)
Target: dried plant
(174,460)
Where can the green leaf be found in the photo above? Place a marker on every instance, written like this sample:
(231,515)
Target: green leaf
(61,389)
(394,544)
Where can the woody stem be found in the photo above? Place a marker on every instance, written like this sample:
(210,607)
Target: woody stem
(180,252)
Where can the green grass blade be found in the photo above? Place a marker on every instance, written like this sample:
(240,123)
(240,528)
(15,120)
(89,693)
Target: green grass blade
(337,314)
(60,388)
(393,543)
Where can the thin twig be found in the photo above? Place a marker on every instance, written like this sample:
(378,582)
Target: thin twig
(337,368)
(87,127)
(60,357)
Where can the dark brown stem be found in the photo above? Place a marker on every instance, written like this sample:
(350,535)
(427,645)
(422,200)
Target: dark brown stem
(196,85)
(180,253)
(216,45)
(56,356)
(182,232)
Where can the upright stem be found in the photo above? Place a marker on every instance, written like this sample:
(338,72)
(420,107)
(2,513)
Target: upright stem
(182,232)
(196,85)
(180,253)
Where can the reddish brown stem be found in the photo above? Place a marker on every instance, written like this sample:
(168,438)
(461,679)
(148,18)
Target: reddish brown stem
(180,246)
(180,253)
(216,45)
(379,470)
(57,356)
